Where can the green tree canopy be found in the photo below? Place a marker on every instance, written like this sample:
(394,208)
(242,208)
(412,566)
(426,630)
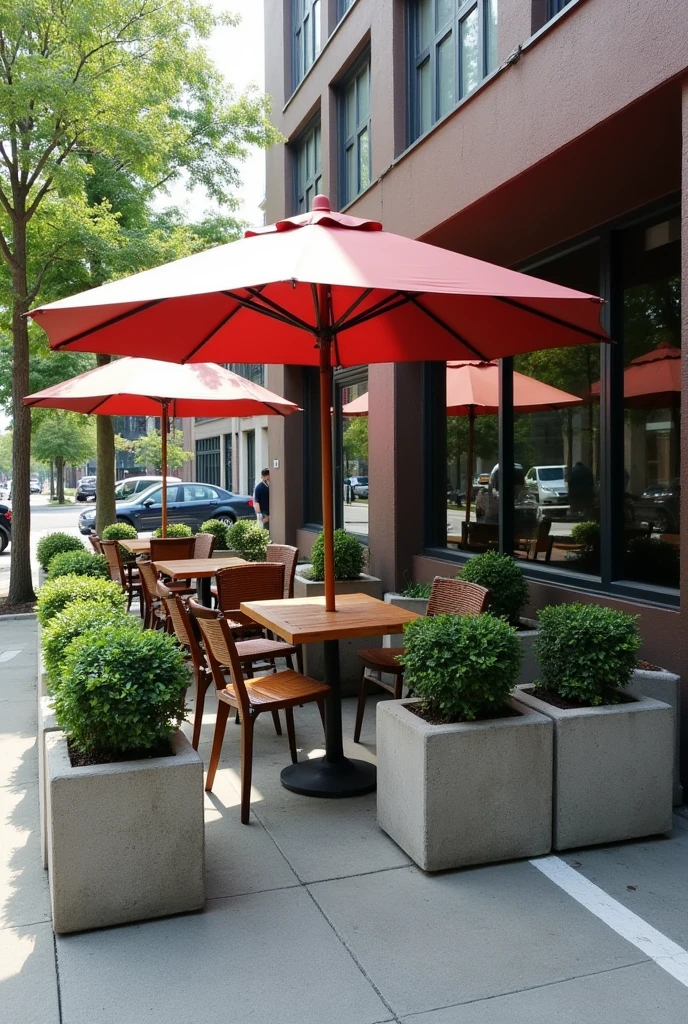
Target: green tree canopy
(148,450)
(66,439)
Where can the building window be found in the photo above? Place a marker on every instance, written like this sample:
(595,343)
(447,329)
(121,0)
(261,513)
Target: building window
(229,467)
(208,460)
(351,450)
(308,168)
(555,6)
(250,461)
(343,6)
(306,24)
(354,116)
(543,11)
(250,371)
(453,47)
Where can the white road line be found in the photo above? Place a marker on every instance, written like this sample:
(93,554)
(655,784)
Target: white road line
(8,655)
(667,954)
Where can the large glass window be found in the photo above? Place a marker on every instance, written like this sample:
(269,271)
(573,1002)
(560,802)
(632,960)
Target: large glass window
(308,168)
(251,371)
(306,33)
(208,460)
(453,47)
(354,119)
(351,397)
(343,6)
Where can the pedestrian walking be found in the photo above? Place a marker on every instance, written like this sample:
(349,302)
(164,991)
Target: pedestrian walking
(261,499)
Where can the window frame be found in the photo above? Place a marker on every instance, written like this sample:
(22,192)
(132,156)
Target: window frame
(417,59)
(347,141)
(306,22)
(208,459)
(343,379)
(314,181)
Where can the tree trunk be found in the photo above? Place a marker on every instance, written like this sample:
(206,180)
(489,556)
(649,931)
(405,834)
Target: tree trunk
(59,470)
(52,479)
(105,468)
(21,586)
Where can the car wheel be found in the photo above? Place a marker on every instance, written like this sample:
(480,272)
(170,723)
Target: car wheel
(226,518)
(4,541)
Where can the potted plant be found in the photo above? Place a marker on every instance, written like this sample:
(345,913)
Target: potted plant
(349,563)
(124,786)
(249,540)
(219,530)
(51,545)
(122,531)
(175,530)
(78,563)
(414,597)
(503,577)
(650,680)
(613,752)
(464,772)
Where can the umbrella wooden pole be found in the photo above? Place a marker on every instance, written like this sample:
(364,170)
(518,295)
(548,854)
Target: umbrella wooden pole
(469,461)
(326,446)
(164,424)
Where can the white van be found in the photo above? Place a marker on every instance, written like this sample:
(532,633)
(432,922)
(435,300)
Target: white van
(548,485)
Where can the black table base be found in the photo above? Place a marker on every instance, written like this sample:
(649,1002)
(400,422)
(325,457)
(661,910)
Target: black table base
(332,775)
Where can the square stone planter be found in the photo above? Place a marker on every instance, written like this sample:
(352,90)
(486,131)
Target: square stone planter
(419,605)
(613,770)
(665,686)
(225,553)
(467,793)
(530,667)
(126,840)
(350,664)
(46,723)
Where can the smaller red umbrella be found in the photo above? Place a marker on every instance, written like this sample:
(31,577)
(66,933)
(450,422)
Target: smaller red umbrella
(653,380)
(149,387)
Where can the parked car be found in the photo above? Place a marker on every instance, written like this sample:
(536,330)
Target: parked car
(5,526)
(6,491)
(86,489)
(34,485)
(547,484)
(135,484)
(659,506)
(359,486)
(186,503)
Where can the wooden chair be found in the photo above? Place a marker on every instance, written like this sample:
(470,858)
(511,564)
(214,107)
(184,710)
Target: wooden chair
(154,614)
(255,581)
(288,556)
(447,597)
(173,549)
(204,546)
(542,541)
(130,584)
(96,543)
(251,697)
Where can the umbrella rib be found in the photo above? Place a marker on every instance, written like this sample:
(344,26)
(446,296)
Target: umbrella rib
(450,330)
(211,334)
(548,316)
(386,305)
(284,314)
(361,298)
(108,323)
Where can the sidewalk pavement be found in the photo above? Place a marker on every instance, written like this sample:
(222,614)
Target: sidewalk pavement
(313,916)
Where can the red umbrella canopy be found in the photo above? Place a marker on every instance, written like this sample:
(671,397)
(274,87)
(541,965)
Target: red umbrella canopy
(475,386)
(139,387)
(389,298)
(653,380)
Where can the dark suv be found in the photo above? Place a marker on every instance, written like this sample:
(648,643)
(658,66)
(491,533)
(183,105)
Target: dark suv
(660,507)
(5,526)
(86,489)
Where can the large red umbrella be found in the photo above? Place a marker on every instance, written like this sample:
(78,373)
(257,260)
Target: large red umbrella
(324,289)
(473,390)
(653,380)
(148,387)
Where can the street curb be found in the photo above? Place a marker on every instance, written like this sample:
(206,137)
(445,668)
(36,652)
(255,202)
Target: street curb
(20,615)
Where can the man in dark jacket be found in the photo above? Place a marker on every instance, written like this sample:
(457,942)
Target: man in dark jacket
(261,499)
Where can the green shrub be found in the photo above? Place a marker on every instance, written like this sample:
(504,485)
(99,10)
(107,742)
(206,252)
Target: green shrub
(122,531)
(586,652)
(349,556)
(121,690)
(652,561)
(53,543)
(57,594)
(417,590)
(462,666)
(249,539)
(175,530)
(504,578)
(76,618)
(587,534)
(218,530)
(78,563)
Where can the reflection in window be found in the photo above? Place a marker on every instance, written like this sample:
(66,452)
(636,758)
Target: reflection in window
(207,461)
(354,456)
(652,401)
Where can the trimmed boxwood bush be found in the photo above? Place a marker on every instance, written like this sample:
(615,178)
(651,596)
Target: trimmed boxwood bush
(504,578)
(175,530)
(249,539)
(57,594)
(587,533)
(121,690)
(78,617)
(78,563)
(122,531)
(53,543)
(586,652)
(462,666)
(349,556)
(218,530)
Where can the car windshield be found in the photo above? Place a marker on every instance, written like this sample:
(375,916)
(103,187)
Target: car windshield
(552,473)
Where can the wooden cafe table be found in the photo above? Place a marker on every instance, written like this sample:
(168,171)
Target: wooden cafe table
(304,621)
(200,569)
(138,545)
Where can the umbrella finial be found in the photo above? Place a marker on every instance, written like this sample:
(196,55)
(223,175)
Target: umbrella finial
(321,204)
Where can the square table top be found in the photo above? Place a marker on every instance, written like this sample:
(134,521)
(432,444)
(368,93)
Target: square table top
(139,545)
(195,568)
(302,620)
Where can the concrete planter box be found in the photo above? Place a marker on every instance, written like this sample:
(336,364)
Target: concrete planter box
(46,723)
(612,770)
(468,793)
(225,553)
(126,840)
(664,686)
(530,668)
(419,605)
(350,664)
(42,576)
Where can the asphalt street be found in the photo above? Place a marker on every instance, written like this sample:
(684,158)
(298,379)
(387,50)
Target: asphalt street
(45,518)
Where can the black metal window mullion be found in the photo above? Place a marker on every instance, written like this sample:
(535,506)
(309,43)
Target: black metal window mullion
(352,135)
(307,167)
(435,453)
(506,456)
(305,37)
(208,460)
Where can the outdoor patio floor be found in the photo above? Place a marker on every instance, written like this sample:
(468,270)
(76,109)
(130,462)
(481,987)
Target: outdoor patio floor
(314,916)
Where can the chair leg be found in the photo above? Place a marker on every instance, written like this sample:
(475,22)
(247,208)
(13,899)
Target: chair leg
(360,710)
(398,687)
(201,690)
(278,724)
(289,715)
(218,739)
(299,658)
(247,722)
